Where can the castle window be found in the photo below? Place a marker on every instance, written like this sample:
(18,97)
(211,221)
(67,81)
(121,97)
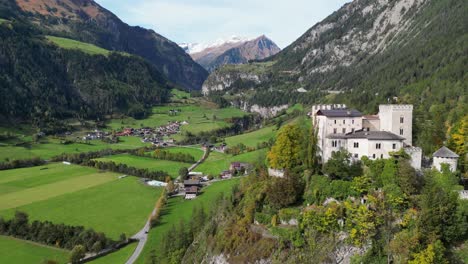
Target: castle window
(356,155)
(334,131)
(401,131)
(334,143)
(356,144)
(344,130)
(373,156)
(344,121)
(402,120)
(378,146)
(381,156)
(394,146)
(335,121)
(352,121)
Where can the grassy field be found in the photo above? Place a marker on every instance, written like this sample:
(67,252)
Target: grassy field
(66,43)
(171,167)
(178,208)
(217,162)
(77,195)
(253,138)
(19,251)
(200,118)
(118,257)
(197,153)
(53,147)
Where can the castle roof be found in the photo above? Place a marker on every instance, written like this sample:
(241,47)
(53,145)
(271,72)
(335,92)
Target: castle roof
(445,152)
(339,113)
(370,135)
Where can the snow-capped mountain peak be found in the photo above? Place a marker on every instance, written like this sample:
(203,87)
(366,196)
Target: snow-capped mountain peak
(192,48)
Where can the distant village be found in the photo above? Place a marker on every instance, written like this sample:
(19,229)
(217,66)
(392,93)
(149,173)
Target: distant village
(159,136)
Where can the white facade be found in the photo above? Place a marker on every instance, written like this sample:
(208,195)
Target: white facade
(397,119)
(371,136)
(445,156)
(451,162)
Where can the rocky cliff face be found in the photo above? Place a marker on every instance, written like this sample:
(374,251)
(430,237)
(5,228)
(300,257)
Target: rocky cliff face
(86,21)
(360,31)
(235,52)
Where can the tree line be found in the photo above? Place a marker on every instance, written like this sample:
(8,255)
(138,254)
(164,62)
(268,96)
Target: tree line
(127,170)
(179,156)
(57,235)
(26,163)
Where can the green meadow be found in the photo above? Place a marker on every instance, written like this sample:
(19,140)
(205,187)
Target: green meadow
(196,152)
(118,257)
(251,139)
(76,195)
(52,147)
(218,162)
(66,43)
(201,118)
(14,250)
(171,167)
(180,209)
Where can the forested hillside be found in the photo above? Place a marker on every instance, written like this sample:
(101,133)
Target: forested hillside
(367,53)
(43,83)
(86,21)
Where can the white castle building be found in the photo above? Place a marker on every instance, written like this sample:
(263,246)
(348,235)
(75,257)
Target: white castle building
(374,136)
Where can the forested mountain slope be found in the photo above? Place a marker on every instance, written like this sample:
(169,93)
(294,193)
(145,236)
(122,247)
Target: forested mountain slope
(86,21)
(370,52)
(43,83)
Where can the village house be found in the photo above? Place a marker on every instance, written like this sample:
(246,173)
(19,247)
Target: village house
(373,136)
(192,188)
(239,167)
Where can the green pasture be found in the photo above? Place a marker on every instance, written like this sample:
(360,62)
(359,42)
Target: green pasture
(118,257)
(171,167)
(251,139)
(76,195)
(201,118)
(52,147)
(196,152)
(218,162)
(66,43)
(180,209)
(14,250)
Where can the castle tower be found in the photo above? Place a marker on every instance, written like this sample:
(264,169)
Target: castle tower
(397,119)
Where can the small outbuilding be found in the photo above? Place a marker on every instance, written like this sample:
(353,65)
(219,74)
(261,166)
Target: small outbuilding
(445,156)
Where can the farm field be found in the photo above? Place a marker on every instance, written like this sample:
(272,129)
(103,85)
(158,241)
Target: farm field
(251,139)
(118,257)
(200,118)
(171,167)
(14,250)
(53,147)
(66,43)
(177,208)
(76,195)
(196,152)
(217,162)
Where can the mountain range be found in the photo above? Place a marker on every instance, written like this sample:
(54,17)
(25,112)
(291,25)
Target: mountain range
(366,53)
(234,50)
(87,21)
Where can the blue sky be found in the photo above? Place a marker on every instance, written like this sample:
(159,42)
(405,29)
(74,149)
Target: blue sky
(205,21)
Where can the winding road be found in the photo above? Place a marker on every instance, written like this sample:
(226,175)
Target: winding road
(142,235)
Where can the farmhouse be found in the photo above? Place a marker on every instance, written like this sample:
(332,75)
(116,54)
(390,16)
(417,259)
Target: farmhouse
(192,188)
(237,167)
(445,156)
(373,136)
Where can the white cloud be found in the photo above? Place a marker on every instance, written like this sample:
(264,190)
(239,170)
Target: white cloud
(208,20)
